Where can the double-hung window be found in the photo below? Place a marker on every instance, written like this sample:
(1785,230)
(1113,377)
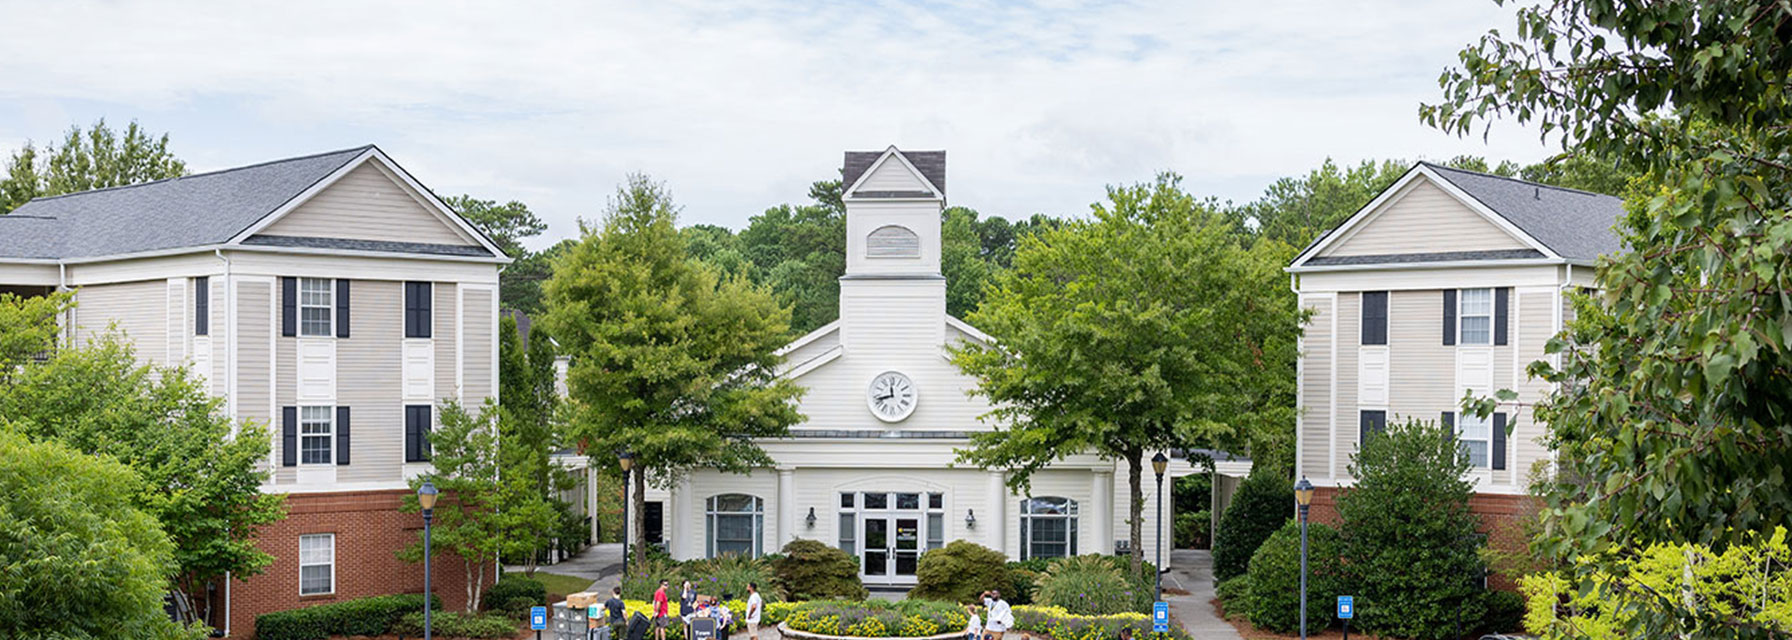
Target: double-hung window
(1047,528)
(316,435)
(1475,315)
(316,310)
(317,564)
(1474,435)
(735,522)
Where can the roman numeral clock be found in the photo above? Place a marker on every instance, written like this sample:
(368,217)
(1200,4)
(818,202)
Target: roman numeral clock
(891,396)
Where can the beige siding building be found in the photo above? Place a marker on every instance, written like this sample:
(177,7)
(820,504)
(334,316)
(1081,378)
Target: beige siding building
(1448,283)
(330,297)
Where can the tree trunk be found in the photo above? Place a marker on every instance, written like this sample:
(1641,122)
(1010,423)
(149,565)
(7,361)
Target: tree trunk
(472,568)
(637,530)
(1136,507)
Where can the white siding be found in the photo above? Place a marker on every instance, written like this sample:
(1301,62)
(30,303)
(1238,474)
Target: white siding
(1347,427)
(476,345)
(136,309)
(444,312)
(1423,220)
(255,325)
(366,384)
(1316,365)
(892,175)
(366,204)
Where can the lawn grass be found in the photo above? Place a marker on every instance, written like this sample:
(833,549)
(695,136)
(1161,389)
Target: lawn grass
(558,585)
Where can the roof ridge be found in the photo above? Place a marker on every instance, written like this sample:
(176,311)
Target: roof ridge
(1512,179)
(214,172)
(26,216)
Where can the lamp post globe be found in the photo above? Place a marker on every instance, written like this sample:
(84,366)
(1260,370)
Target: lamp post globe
(426,498)
(626,460)
(1303,498)
(1159,463)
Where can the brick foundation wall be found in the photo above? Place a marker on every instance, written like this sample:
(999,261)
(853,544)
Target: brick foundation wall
(370,530)
(1502,519)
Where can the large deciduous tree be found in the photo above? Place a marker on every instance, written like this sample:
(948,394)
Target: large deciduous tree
(1671,412)
(670,360)
(508,224)
(529,431)
(92,159)
(201,471)
(1144,328)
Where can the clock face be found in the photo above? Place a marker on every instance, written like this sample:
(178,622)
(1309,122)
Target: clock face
(892,396)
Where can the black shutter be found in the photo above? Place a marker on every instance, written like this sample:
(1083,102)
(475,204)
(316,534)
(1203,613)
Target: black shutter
(289,307)
(416,433)
(202,306)
(289,436)
(1499,441)
(342,308)
(1375,317)
(1449,421)
(1449,317)
(342,435)
(416,310)
(1371,422)
(1502,300)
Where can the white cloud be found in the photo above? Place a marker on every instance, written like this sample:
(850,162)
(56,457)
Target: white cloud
(740,107)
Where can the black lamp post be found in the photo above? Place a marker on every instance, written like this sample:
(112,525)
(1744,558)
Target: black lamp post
(1158,463)
(627,460)
(426,498)
(1303,497)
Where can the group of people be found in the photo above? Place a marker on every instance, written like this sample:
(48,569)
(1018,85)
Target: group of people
(1001,617)
(691,606)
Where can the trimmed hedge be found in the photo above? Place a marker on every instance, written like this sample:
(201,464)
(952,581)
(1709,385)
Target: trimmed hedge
(512,593)
(457,625)
(1055,622)
(1272,597)
(359,617)
(959,571)
(1263,502)
(811,570)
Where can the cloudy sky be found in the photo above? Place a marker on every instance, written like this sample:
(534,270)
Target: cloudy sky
(740,106)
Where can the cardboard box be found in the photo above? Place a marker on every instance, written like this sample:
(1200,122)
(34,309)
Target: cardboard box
(582,599)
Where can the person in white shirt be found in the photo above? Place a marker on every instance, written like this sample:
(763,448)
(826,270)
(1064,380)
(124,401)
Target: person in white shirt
(1001,617)
(755,607)
(973,626)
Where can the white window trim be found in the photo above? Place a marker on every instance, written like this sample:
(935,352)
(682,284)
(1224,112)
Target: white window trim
(710,528)
(1073,517)
(329,435)
(1462,418)
(329,308)
(331,564)
(1462,316)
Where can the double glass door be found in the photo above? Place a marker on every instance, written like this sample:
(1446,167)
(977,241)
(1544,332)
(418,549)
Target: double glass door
(892,546)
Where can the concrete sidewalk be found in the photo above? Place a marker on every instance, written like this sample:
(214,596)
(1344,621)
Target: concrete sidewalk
(1192,571)
(601,563)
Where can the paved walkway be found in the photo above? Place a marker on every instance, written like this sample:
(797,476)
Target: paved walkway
(1192,570)
(602,563)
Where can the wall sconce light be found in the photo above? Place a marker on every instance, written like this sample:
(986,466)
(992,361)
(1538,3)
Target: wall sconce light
(811,519)
(970,519)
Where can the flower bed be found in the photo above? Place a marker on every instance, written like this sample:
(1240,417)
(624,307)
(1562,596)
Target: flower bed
(876,618)
(1058,623)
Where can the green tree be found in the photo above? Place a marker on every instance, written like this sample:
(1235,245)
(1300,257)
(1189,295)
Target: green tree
(801,252)
(508,224)
(469,520)
(967,271)
(28,329)
(93,159)
(78,562)
(1296,210)
(1408,538)
(201,471)
(1145,328)
(1669,413)
(529,436)
(670,360)
(1259,506)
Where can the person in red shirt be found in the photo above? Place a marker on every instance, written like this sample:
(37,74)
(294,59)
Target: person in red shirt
(660,614)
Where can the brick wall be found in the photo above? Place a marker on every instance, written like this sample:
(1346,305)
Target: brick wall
(370,530)
(1502,519)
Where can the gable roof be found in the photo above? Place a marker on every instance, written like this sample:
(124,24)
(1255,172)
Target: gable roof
(1559,224)
(190,211)
(931,165)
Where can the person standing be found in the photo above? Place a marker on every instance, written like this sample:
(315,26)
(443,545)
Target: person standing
(973,626)
(660,613)
(1001,617)
(687,599)
(615,608)
(755,606)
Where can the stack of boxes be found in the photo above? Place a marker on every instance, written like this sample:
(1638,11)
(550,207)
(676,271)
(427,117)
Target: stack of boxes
(570,622)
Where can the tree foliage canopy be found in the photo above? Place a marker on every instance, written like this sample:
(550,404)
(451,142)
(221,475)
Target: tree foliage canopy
(92,159)
(1144,328)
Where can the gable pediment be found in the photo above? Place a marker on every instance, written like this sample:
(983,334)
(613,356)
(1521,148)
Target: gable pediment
(1422,218)
(369,203)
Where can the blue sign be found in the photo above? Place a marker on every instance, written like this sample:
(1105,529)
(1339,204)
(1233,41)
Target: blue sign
(1160,617)
(1346,607)
(538,618)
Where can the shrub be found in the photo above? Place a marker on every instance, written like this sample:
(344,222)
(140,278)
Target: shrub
(644,579)
(876,618)
(511,588)
(1272,599)
(1505,612)
(959,571)
(1026,583)
(1055,622)
(1408,537)
(1259,507)
(727,575)
(359,617)
(456,625)
(1194,530)
(1087,585)
(811,570)
(1232,594)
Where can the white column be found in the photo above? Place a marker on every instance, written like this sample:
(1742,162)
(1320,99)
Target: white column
(591,495)
(1101,512)
(996,523)
(787,507)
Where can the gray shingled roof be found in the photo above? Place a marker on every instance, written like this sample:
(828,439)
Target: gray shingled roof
(195,210)
(931,164)
(1575,224)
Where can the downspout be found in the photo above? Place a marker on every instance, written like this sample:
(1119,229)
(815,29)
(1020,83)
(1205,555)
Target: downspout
(68,315)
(229,392)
